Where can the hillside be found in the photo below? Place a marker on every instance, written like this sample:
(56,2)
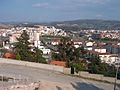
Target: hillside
(88,24)
(5,26)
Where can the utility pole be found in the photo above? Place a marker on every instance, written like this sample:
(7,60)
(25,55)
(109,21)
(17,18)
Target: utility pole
(2,81)
(117,69)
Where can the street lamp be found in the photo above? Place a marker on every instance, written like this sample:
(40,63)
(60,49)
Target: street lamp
(117,69)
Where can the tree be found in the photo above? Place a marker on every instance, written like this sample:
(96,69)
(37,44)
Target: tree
(23,51)
(79,67)
(67,52)
(38,56)
(95,64)
(55,56)
(18,57)
(22,47)
(2,52)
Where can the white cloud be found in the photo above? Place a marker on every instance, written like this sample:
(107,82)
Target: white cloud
(88,1)
(97,1)
(99,16)
(40,5)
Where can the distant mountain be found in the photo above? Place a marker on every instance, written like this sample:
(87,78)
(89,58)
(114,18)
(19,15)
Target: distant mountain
(74,25)
(5,26)
(88,24)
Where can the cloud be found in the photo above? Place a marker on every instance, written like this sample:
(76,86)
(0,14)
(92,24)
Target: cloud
(97,1)
(99,16)
(40,5)
(70,5)
(87,1)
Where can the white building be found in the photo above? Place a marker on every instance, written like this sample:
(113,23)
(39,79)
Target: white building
(88,44)
(36,36)
(108,58)
(46,51)
(100,50)
(13,37)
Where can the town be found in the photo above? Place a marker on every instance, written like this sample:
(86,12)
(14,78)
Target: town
(59,45)
(104,43)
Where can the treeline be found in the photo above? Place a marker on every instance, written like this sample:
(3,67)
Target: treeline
(109,40)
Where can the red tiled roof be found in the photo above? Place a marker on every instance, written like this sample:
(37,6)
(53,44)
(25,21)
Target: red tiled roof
(9,55)
(78,40)
(58,63)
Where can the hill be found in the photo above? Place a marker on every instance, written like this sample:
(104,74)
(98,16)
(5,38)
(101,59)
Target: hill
(88,24)
(5,26)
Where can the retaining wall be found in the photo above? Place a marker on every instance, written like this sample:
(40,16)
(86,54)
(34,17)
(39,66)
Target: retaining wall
(59,69)
(31,64)
(97,77)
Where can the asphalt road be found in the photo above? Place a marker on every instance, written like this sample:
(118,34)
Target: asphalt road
(28,75)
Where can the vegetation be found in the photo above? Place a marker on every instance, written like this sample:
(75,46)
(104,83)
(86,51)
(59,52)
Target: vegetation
(81,60)
(23,49)
(109,39)
(77,58)
(2,51)
(68,53)
(97,67)
(38,56)
(79,67)
(64,51)
(18,57)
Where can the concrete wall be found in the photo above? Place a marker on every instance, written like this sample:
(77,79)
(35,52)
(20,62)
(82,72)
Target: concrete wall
(59,69)
(31,64)
(88,75)
(97,77)
(67,71)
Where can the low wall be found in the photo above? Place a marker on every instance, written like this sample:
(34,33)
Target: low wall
(97,77)
(31,64)
(88,75)
(59,69)
(67,71)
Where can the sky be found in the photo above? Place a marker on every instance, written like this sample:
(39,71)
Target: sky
(58,10)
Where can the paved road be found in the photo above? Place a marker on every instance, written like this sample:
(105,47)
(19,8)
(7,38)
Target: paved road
(34,74)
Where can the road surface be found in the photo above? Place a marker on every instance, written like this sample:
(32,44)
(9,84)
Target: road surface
(28,75)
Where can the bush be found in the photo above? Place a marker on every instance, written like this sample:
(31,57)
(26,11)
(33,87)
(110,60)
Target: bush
(18,57)
(79,67)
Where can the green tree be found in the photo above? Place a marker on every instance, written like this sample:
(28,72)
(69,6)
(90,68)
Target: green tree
(95,64)
(22,47)
(55,56)
(23,51)
(3,51)
(38,56)
(18,57)
(67,52)
(79,67)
